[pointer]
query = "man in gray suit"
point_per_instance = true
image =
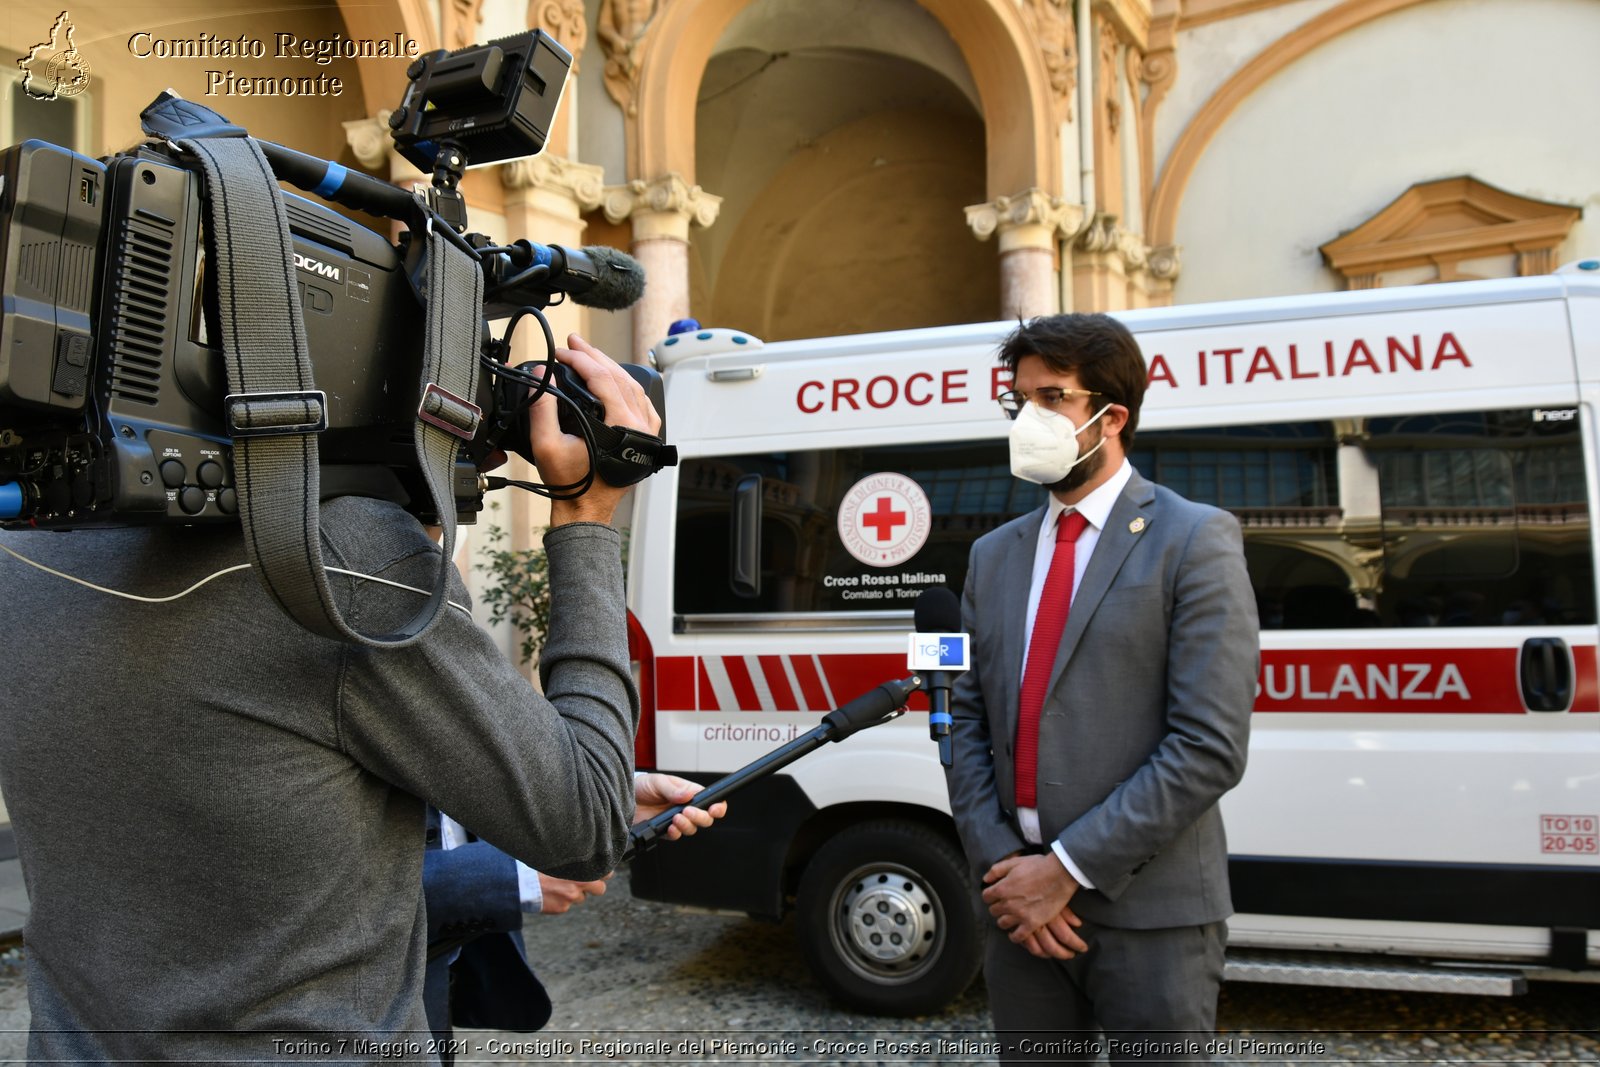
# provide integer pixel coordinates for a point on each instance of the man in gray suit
(1107, 710)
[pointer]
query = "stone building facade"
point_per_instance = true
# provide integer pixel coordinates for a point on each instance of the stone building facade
(806, 167)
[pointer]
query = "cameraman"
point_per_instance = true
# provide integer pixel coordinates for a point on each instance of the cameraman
(220, 815)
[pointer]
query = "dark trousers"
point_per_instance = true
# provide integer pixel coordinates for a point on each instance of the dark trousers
(1141, 996)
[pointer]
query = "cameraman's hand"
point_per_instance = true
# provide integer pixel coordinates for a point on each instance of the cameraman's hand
(558, 895)
(563, 458)
(655, 793)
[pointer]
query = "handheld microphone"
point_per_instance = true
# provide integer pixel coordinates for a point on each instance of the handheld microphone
(869, 709)
(937, 650)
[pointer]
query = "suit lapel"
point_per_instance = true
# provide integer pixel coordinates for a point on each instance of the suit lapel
(1017, 573)
(1116, 541)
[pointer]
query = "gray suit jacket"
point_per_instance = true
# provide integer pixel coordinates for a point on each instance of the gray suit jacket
(1147, 718)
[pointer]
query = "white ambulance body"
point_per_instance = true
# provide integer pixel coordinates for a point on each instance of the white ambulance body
(1414, 471)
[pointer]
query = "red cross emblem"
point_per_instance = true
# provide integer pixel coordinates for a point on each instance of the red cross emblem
(884, 519)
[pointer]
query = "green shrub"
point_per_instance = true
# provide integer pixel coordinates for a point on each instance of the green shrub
(517, 590)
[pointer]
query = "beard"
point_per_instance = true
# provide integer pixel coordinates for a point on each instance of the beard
(1084, 472)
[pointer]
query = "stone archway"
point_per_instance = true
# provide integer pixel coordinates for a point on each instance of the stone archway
(383, 80)
(658, 51)
(1167, 199)
(1013, 86)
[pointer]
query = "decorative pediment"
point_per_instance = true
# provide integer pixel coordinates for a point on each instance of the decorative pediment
(1443, 224)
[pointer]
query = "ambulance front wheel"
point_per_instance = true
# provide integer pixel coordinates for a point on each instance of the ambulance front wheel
(886, 920)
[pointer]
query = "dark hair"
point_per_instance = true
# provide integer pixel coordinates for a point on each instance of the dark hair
(1097, 348)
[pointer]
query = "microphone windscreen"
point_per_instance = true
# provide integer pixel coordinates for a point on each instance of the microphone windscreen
(618, 280)
(937, 611)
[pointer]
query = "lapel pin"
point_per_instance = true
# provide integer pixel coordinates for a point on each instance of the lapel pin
(1137, 525)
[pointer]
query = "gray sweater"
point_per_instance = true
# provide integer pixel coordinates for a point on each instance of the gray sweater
(220, 815)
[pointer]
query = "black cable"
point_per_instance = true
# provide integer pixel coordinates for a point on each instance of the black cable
(537, 388)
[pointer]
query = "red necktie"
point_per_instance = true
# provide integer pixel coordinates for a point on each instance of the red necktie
(1048, 623)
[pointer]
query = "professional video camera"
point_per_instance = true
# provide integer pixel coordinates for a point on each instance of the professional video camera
(116, 406)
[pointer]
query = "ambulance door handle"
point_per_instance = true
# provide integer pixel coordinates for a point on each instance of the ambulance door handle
(1546, 670)
(744, 536)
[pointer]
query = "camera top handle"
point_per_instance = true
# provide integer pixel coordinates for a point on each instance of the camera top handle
(173, 118)
(330, 181)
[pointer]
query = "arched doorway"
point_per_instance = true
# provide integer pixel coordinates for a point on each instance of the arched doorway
(844, 173)
(982, 78)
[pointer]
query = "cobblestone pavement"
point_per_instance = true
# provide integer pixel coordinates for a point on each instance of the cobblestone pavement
(642, 983)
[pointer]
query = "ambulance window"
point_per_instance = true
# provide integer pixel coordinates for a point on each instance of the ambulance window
(804, 564)
(1485, 519)
(1465, 519)
(1281, 481)
(1244, 468)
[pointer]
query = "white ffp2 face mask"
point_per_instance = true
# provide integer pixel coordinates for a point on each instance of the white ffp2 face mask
(1044, 447)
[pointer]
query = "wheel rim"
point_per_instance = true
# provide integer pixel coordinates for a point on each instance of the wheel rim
(886, 924)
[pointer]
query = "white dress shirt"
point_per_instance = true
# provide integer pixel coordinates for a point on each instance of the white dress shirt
(1096, 509)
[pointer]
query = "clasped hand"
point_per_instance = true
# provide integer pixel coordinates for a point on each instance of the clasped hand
(1029, 898)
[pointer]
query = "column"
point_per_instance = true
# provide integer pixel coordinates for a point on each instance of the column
(1030, 225)
(661, 210)
(546, 197)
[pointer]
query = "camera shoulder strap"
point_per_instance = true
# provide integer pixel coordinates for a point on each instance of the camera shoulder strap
(274, 410)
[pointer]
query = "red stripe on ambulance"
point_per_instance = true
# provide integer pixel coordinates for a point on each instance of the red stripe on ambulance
(1347, 681)
(805, 672)
(675, 677)
(1370, 680)
(1412, 680)
(707, 698)
(1587, 695)
(778, 681)
(744, 691)
(851, 676)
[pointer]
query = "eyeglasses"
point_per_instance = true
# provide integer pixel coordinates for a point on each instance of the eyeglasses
(1049, 397)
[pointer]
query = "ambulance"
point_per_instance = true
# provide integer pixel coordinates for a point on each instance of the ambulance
(1414, 471)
